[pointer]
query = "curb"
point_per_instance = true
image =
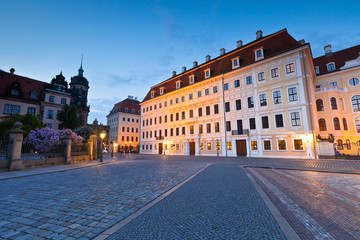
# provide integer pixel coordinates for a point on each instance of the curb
(324, 170)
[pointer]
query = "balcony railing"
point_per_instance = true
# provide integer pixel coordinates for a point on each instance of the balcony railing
(240, 132)
(160, 138)
(331, 89)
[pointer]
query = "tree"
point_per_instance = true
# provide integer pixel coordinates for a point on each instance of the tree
(68, 117)
(84, 131)
(29, 122)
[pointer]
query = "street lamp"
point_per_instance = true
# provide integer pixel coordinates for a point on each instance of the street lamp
(217, 147)
(102, 136)
(112, 149)
(130, 147)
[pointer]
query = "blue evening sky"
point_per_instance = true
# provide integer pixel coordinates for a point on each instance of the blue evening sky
(130, 45)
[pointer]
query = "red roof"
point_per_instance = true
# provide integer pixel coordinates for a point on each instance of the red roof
(127, 103)
(272, 44)
(339, 58)
(27, 84)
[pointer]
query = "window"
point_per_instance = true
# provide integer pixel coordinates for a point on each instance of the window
(265, 122)
(14, 92)
(237, 83)
(162, 90)
(171, 117)
(48, 125)
(200, 128)
(261, 76)
(191, 113)
(215, 89)
(354, 82)
(177, 116)
(177, 131)
(123, 129)
(263, 100)
(228, 126)
(317, 71)
(176, 100)
(160, 105)
(207, 110)
(339, 144)
(160, 120)
(52, 99)
(356, 103)
(252, 123)
(277, 97)
(165, 104)
(322, 124)
(178, 84)
(177, 146)
(267, 145)
(63, 100)
(333, 84)
(183, 98)
(357, 124)
(165, 132)
(182, 115)
(348, 144)
(191, 79)
(191, 96)
(133, 110)
(238, 104)
(229, 145)
(330, 67)
(217, 145)
(279, 120)
(152, 94)
(248, 79)
(123, 138)
(207, 92)
(295, 119)
(165, 120)
(199, 93)
(259, 54)
(333, 103)
(171, 102)
(191, 129)
(235, 63)
(50, 114)
(126, 110)
(183, 131)
(31, 111)
(336, 123)
(11, 109)
(217, 127)
(292, 94)
(226, 86)
(282, 145)
(345, 124)
(216, 109)
(208, 128)
(171, 132)
(290, 68)
(298, 144)
(201, 146)
(209, 146)
(250, 102)
(319, 105)
(200, 112)
(275, 72)
(253, 145)
(207, 73)
(227, 107)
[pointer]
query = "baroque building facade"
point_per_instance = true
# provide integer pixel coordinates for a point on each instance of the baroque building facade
(252, 101)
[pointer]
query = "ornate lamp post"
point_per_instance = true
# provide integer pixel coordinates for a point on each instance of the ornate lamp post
(102, 136)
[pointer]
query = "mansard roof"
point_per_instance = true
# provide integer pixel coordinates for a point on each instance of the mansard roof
(339, 58)
(127, 103)
(272, 44)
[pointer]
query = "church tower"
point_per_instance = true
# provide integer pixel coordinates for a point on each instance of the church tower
(79, 87)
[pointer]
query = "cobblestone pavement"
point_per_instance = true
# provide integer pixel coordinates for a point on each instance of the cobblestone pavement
(219, 203)
(82, 203)
(317, 205)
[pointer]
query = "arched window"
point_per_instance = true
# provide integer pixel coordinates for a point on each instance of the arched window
(339, 144)
(333, 103)
(357, 124)
(322, 124)
(354, 82)
(341, 104)
(348, 144)
(336, 123)
(356, 103)
(345, 124)
(319, 105)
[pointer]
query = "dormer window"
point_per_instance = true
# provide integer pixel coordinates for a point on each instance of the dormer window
(235, 62)
(126, 110)
(132, 110)
(191, 79)
(259, 54)
(162, 90)
(330, 67)
(33, 94)
(178, 84)
(14, 92)
(153, 94)
(317, 71)
(207, 73)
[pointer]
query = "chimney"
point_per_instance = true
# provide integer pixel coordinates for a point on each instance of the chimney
(207, 58)
(195, 64)
(239, 43)
(184, 69)
(130, 97)
(12, 70)
(135, 98)
(302, 41)
(222, 51)
(328, 51)
(173, 73)
(259, 34)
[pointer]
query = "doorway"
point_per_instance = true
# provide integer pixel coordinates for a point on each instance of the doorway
(241, 147)
(160, 148)
(192, 148)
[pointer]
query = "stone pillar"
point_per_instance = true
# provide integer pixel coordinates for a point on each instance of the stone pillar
(94, 146)
(90, 148)
(197, 148)
(16, 139)
(67, 149)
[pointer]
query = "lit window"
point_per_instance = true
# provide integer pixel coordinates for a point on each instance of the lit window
(322, 124)
(208, 128)
(354, 82)
(281, 145)
(348, 144)
(209, 146)
(217, 145)
(201, 146)
(253, 145)
(229, 145)
(298, 144)
(340, 145)
(217, 127)
(267, 145)
(290, 68)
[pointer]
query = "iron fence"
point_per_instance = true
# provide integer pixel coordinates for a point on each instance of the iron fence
(79, 149)
(4, 147)
(28, 151)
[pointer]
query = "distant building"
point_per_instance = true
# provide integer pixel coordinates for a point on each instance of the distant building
(21, 95)
(124, 124)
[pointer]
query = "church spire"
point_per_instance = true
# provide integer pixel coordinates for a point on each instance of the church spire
(81, 71)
